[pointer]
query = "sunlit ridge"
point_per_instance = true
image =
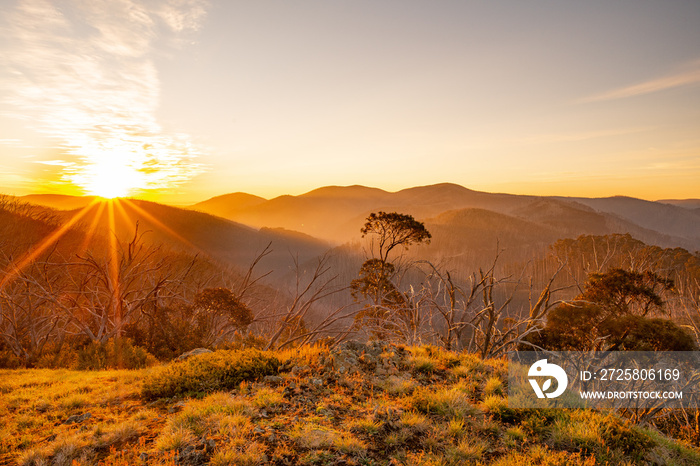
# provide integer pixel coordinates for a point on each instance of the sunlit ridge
(18, 266)
(42, 246)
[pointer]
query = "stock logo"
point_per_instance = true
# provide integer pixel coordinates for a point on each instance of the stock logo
(542, 369)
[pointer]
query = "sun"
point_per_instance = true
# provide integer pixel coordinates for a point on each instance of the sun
(110, 177)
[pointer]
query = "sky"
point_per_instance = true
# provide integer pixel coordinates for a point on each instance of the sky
(182, 100)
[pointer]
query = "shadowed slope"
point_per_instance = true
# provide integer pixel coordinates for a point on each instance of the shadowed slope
(221, 239)
(58, 201)
(664, 218)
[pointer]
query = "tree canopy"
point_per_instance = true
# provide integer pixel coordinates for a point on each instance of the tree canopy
(394, 229)
(613, 314)
(221, 302)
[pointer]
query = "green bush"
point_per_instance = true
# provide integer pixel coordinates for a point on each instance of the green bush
(8, 360)
(209, 372)
(115, 354)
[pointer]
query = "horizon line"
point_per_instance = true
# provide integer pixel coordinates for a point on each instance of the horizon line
(192, 203)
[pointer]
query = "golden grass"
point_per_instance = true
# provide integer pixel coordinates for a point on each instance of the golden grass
(454, 414)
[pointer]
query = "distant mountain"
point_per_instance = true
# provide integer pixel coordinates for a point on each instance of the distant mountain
(669, 220)
(228, 204)
(235, 225)
(337, 213)
(692, 204)
(182, 229)
(201, 233)
(19, 233)
(58, 201)
(355, 192)
(471, 236)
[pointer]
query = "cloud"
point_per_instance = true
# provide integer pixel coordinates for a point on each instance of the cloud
(10, 142)
(84, 74)
(690, 75)
(60, 163)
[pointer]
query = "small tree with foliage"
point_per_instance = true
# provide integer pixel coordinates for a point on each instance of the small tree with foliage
(388, 311)
(613, 314)
(219, 314)
(392, 230)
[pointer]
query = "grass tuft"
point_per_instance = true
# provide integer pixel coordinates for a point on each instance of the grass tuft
(175, 439)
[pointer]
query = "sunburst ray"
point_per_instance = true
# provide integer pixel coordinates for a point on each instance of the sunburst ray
(43, 245)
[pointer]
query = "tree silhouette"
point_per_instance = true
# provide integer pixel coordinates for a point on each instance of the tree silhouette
(375, 283)
(394, 229)
(221, 302)
(621, 292)
(612, 314)
(387, 311)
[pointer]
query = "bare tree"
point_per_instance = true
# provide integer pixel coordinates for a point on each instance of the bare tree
(27, 318)
(102, 295)
(470, 317)
(290, 326)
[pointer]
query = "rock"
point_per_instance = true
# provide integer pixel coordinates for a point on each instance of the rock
(297, 370)
(143, 457)
(77, 418)
(176, 407)
(193, 352)
(353, 346)
(273, 379)
(368, 360)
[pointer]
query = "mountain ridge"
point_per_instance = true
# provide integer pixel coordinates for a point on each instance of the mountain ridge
(336, 213)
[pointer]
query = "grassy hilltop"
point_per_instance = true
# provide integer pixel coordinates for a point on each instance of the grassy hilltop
(357, 404)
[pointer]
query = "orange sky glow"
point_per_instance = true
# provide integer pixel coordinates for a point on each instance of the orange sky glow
(179, 101)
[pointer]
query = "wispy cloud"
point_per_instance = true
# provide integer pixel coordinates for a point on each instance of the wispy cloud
(58, 163)
(689, 75)
(84, 73)
(10, 142)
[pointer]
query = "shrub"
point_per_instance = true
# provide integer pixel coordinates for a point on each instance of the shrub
(493, 386)
(397, 386)
(606, 437)
(541, 456)
(445, 402)
(118, 353)
(497, 407)
(365, 426)
(267, 398)
(208, 372)
(251, 454)
(8, 360)
(175, 439)
(467, 450)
